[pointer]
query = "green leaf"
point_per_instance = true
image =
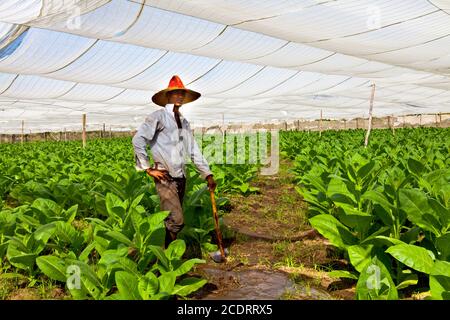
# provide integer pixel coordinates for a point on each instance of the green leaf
(365, 170)
(71, 213)
(383, 240)
(342, 274)
(119, 237)
(127, 284)
(187, 266)
(416, 167)
(157, 219)
(360, 256)
(415, 204)
(333, 230)
(167, 283)
(442, 212)
(440, 280)
(407, 279)
(44, 232)
(148, 286)
(176, 249)
(354, 218)
(47, 207)
(375, 283)
(19, 256)
(415, 257)
(188, 285)
(159, 253)
(115, 205)
(53, 267)
(90, 283)
(378, 198)
(443, 246)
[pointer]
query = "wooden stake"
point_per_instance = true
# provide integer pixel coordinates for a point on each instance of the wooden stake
(404, 122)
(320, 124)
(420, 120)
(23, 134)
(369, 127)
(65, 134)
(84, 131)
(440, 119)
(393, 126)
(110, 132)
(104, 131)
(345, 124)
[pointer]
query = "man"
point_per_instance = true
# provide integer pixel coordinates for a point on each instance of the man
(171, 141)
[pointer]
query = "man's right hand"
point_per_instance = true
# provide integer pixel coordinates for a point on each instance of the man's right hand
(158, 174)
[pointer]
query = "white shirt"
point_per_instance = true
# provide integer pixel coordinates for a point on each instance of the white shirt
(170, 147)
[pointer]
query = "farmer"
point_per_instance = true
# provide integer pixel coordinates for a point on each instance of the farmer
(171, 142)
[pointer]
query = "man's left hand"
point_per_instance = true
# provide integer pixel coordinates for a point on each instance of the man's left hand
(211, 183)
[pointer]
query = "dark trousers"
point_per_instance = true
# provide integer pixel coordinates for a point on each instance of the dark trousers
(171, 194)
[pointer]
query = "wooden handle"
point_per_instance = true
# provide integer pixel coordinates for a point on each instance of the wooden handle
(216, 222)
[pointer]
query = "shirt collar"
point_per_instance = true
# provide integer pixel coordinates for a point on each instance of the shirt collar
(169, 109)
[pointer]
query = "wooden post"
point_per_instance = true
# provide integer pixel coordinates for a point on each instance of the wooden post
(110, 132)
(393, 126)
(345, 124)
(84, 131)
(420, 120)
(65, 134)
(357, 123)
(320, 124)
(440, 120)
(22, 137)
(369, 126)
(404, 121)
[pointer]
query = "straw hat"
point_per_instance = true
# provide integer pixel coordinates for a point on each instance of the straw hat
(160, 98)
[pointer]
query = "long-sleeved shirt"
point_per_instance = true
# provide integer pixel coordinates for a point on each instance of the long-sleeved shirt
(170, 147)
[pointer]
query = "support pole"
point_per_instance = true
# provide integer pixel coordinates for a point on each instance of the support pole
(84, 131)
(393, 126)
(404, 121)
(345, 124)
(65, 134)
(22, 138)
(440, 120)
(420, 120)
(110, 132)
(320, 124)
(369, 126)
(104, 131)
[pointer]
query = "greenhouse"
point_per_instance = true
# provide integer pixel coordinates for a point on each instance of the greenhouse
(224, 150)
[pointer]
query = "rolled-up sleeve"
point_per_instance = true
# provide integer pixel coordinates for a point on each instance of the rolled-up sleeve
(141, 139)
(197, 157)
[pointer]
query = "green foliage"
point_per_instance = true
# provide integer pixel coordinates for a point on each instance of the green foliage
(389, 201)
(68, 212)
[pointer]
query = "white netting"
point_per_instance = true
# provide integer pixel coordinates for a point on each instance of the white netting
(252, 61)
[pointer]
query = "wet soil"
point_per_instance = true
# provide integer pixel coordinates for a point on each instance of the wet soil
(274, 252)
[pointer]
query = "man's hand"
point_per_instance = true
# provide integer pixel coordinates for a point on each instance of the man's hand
(211, 183)
(157, 174)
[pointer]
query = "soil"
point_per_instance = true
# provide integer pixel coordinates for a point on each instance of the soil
(273, 251)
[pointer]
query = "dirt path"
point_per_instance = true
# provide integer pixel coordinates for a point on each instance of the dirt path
(269, 237)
